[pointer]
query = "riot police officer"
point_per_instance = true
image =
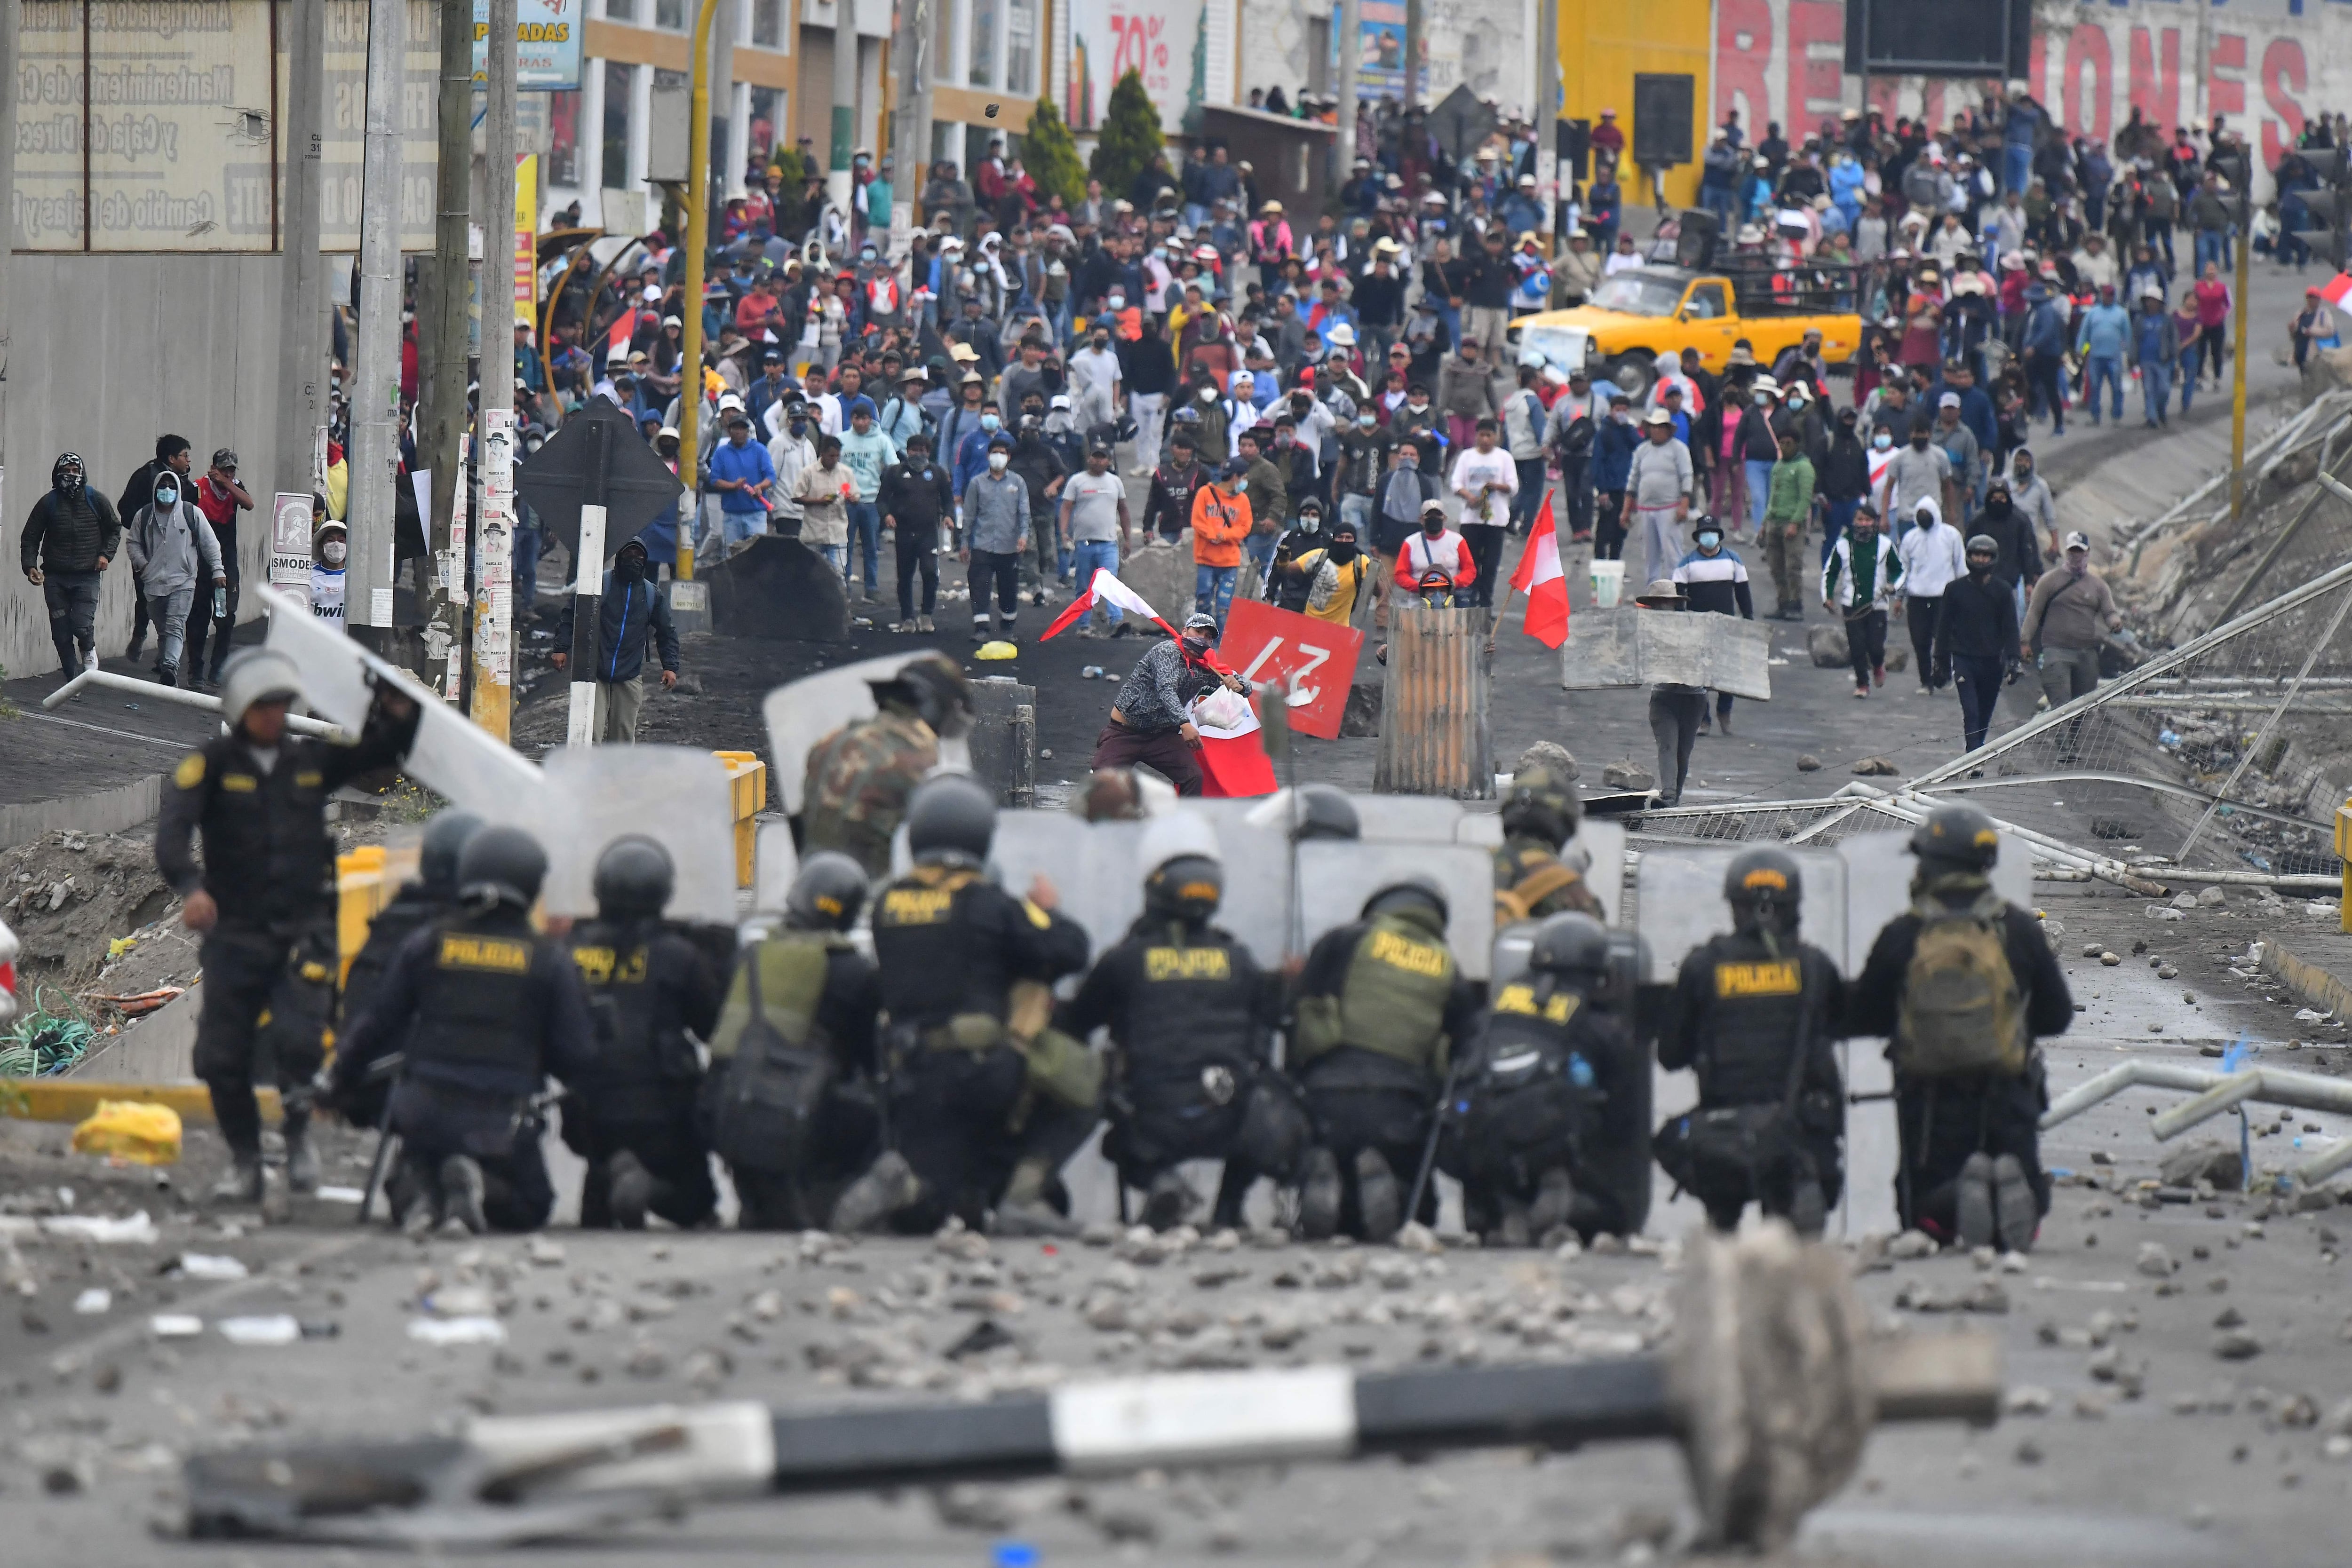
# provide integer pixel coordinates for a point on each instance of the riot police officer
(485, 1009)
(652, 996)
(1964, 985)
(1189, 1015)
(430, 895)
(987, 1098)
(1379, 1003)
(860, 776)
(1534, 1085)
(793, 1090)
(263, 899)
(1531, 881)
(1755, 1013)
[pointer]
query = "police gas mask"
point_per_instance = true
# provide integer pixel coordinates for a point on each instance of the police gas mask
(1188, 888)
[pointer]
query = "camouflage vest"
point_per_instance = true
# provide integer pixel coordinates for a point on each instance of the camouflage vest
(859, 781)
(1530, 883)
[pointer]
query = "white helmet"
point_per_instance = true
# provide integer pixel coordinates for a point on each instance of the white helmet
(255, 675)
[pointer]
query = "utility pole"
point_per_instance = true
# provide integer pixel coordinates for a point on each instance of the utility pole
(588, 573)
(911, 146)
(840, 185)
(9, 19)
(698, 248)
(375, 392)
(440, 592)
(302, 351)
(493, 687)
(1546, 121)
(2237, 168)
(1351, 13)
(1413, 28)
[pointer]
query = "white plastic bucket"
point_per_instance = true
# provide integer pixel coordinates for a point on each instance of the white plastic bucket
(1607, 583)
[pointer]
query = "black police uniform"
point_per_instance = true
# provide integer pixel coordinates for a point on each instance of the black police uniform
(1734, 1018)
(416, 906)
(649, 988)
(1543, 1070)
(1191, 1013)
(269, 866)
(486, 1009)
(1943, 1121)
(796, 1125)
(952, 947)
(1378, 1003)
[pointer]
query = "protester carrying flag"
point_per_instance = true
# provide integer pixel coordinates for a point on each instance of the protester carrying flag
(1538, 576)
(1151, 721)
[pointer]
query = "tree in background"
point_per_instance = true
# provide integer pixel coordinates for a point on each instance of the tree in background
(1130, 136)
(1051, 155)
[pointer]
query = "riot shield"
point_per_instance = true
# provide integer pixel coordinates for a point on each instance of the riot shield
(678, 797)
(451, 754)
(1679, 894)
(804, 713)
(1629, 647)
(1336, 879)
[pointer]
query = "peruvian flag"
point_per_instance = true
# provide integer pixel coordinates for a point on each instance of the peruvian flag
(1538, 577)
(1233, 757)
(2337, 290)
(1107, 588)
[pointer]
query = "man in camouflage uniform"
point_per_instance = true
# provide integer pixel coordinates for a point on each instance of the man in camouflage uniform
(860, 776)
(1539, 816)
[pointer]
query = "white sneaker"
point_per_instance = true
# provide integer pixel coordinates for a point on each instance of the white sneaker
(89, 660)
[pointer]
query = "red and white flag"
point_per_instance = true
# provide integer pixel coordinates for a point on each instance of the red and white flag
(2337, 290)
(1538, 577)
(1107, 589)
(1233, 756)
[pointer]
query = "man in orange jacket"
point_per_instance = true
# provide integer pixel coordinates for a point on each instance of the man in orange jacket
(1435, 556)
(1221, 521)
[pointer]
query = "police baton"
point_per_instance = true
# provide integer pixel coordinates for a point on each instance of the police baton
(382, 1067)
(1429, 1149)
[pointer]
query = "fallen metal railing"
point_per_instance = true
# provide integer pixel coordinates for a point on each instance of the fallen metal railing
(155, 691)
(2215, 1094)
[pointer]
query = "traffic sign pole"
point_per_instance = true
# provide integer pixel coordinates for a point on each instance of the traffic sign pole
(587, 611)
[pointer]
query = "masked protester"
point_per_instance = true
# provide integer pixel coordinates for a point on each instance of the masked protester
(1964, 985)
(1537, 1081)
(1861, 581)
(1714, 581)
(175, 558)
(1976, 638)
(1328, 581)
(794, 1096)
(862, 775)
(1189, 1015)
(71, 534)
(1437, 563)
(1150, 719)
(987, 1098)
(2066, 621)
(633, 616)
(329, 571)
(484, 1009)
(1675, 709)
(1754, 1014)
(263, 900)
(654, 994)
(1376, 1011)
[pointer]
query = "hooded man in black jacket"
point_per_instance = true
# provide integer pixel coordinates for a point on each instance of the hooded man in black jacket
(633, 613)
(1842, 478)
(70, 536)
(1976, 638)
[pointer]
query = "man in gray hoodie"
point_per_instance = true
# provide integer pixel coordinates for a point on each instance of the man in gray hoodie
(173, 550)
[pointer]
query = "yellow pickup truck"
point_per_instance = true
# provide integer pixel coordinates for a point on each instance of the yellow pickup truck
(1644, 311)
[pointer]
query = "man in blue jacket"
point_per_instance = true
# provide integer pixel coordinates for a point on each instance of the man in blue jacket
(1612, 465)
(2045, 355)
(632, 612)
(2104, 336)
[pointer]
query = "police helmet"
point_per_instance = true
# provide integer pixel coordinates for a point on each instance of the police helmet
(1325, 812)
(1764, 879)
(1188, 887)
(1542, 804)
(932, 685)
(445, 840)
(950, 816)
(827, 894)
(1414, 891)
(1569, 944)
(257, 675)
(633, 879)
(1957, 836)
(501, 865)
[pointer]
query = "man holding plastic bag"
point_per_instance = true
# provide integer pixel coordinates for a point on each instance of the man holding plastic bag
(1152, 720)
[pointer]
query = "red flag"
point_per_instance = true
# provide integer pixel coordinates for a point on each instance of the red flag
(1232, 754)
(2337, 290)
(1538, 577)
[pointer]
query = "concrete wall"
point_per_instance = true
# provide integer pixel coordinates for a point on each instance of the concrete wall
(106, 353)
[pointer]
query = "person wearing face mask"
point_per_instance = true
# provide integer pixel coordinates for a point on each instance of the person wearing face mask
(1919, 471)
(1336, 576)
(1714, 582)
(1221, 522)
(1860, 581)
(996, 527)
(1436, 563)
(70, 536)
(1613, 445)
(1095, 390)
(2019, 566)
(1356, 469)
(1675, 709)
(1149, 720)
(792, 453)
(1658, 491)
(971, 427)
(1405, 489)
(329, 550)
(1932, 557)
(917, 505)
(2030, 493)
(633, 616)
(1977, 638)
(1148, 371)
(2066, 621)
(175, 555)
(1845, 480)
(1168, 506)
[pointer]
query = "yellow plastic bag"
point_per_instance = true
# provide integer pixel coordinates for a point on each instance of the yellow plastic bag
(133, 1130)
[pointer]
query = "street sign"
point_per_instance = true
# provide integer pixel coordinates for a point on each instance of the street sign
(548, 35)
(1317, 657)
(1461, 122)
(290, 543)
(597, 457)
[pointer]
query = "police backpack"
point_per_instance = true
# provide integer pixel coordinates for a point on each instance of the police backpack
(1961, 1009)
(770, 1090)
